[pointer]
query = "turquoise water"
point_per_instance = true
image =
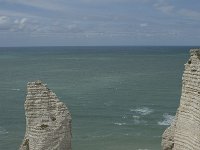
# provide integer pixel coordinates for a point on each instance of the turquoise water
(120, 98)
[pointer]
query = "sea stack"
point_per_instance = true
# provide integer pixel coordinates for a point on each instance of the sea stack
(184, 132)
(48, 121)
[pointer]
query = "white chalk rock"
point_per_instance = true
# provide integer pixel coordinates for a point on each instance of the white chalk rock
(48, 121)
(184, 133)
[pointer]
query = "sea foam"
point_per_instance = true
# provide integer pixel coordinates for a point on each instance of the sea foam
(15, 89)
(142, 110)
(3, 131)
(120, 123)
(167, 120)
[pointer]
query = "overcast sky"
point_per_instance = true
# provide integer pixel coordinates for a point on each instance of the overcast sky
(99, 22)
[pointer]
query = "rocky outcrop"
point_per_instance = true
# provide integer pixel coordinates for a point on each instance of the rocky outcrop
(184, 132)
(48, 121)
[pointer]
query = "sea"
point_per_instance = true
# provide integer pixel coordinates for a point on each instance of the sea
(120, 97)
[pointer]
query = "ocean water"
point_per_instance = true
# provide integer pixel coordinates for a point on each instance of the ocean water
(120, 98)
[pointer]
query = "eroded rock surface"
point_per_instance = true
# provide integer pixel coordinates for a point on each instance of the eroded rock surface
(184, 132)
(48, 121)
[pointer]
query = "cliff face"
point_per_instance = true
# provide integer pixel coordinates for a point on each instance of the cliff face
(184, 132)
(48, 121)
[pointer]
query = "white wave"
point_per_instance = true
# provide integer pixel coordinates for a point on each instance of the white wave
(167, 120)
(142, 110)
(136, 117)
(143, 149)
(124, 117)
(15, 89)
(3, 131)
(120, 123)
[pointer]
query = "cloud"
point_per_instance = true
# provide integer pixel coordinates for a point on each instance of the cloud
(10, 24)
(5, 23)
(52, 5)
(190, 14)
(143, 25)
(21, 23)
(113, 1)
(40, 26)
(150, 19)
(164, 7)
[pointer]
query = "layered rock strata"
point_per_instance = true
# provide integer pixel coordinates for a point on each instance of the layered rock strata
(48, 121)
(184, 132)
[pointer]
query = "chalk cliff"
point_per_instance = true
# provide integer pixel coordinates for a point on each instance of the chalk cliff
(184, 132)
(48, 121)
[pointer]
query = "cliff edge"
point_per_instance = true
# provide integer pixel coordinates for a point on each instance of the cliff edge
(184, 132)
(48, 121)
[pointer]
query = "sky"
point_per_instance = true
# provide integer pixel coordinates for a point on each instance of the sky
(99, 22)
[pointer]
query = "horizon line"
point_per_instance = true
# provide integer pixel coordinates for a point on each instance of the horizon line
(100, 46)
